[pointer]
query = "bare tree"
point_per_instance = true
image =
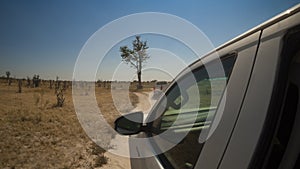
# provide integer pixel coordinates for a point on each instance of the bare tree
(36, 81)
(50, 81)
(28, 82)
(136, 56)
(8, 77)
(20, 86)
(7, 74)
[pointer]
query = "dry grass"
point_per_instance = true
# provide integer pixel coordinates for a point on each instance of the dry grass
(36, 134)
(147, 87)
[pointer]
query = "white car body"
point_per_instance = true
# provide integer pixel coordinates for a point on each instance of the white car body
(260, 124)
(159, 88)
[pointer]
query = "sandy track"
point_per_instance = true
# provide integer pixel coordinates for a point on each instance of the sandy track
(120, 162)
(145, 102)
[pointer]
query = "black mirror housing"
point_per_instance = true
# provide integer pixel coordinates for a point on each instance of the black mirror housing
(129, 124)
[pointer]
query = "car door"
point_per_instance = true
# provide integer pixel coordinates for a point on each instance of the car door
(254, 135)
(206, 127)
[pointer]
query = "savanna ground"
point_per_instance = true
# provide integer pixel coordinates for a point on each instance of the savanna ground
(35, 133)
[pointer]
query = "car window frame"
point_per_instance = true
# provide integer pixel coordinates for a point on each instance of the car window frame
(199, 65)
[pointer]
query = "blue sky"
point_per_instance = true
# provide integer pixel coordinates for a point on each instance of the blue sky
(45, 36)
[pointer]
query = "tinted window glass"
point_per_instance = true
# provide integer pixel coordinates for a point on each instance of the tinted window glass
(189, 108)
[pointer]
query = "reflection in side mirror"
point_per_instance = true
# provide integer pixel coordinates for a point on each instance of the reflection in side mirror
(129, 124)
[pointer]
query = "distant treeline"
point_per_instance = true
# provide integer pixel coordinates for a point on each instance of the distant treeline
(37, 81)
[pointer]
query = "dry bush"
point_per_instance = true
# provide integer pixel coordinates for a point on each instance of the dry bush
(60, 99)
(33, 134)
(100, 159)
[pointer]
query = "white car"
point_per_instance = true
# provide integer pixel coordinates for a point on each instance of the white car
(159, 88)
(251, 122)
(160, 85)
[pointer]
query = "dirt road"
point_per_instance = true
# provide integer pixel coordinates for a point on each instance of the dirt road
(120, 143)
(145, 102)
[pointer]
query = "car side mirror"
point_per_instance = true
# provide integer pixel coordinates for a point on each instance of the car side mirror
(130, 124)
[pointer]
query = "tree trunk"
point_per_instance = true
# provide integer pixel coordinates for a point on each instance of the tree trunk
(50, 84)
(20, 85)
(139, 72)
(139, 80)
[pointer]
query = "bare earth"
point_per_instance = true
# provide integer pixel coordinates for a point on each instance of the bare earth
(34, 133)
(120, 162)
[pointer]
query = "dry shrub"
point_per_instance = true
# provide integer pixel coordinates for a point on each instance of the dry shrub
(33, 135)
(100, 161)
(99, 153)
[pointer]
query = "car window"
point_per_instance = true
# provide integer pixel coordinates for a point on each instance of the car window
(189, 107)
